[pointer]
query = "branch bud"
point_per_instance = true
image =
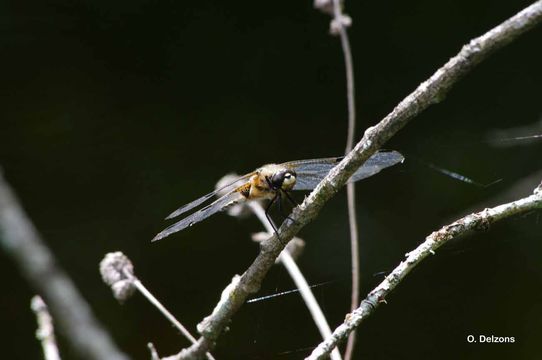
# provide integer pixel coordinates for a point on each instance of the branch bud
(118, 272)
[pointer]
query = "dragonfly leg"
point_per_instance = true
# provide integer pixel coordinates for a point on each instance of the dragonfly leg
(292, 201)
(290, 198)
(269, 217)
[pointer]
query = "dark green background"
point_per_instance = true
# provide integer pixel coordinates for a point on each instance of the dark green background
(114, 113)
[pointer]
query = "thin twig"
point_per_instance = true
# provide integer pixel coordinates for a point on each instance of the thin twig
(479, 221)
(46, 330)
(157, 304)
(428, 93)
(20, 240)
(350, 187)
(146, 293)
(154, 353)
(354, 249)
(117, 271)
(297, 276)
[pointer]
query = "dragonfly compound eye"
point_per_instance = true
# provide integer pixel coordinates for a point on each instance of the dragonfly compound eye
(283, 179)
(288, 180)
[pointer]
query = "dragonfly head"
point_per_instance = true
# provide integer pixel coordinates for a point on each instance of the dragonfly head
(284, 179)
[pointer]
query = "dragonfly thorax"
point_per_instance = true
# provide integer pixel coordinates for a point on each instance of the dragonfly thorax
(276, 177)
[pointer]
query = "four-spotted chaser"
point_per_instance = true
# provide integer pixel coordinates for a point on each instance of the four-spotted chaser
(271, 182)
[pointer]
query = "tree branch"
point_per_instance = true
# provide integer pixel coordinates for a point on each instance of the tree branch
(479, 221)
(21, 241)
(429, 92)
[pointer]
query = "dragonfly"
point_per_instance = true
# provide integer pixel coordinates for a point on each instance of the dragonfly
(272, 182)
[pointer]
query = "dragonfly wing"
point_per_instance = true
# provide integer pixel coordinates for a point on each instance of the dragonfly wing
(379, 161)
(308, 181)
(311, 172)
(204, 198)
(232, 198)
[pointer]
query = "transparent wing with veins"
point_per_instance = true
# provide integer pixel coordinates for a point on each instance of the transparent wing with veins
(231, 198)
(311, 172)
(204, 198)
